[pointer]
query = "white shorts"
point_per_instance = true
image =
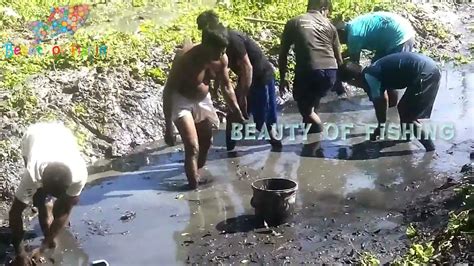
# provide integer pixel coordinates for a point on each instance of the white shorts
(199, 110)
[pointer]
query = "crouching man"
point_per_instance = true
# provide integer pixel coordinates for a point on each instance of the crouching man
(418, 73)
(54, 169)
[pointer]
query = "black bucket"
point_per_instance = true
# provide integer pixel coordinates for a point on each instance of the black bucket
(274, 200)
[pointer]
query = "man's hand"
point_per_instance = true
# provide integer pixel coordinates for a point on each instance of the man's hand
(170, 139)
(22, 259)
(243, 106)
(237, 116)
(37, 256)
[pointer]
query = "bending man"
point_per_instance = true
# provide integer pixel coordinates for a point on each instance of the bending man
(54, 168)
(418, 73)
(381, 32)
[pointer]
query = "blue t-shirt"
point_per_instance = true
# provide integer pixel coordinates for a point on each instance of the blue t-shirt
(377, 31)
(397, 71)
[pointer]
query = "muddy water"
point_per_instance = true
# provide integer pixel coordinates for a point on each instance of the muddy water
(349, 186)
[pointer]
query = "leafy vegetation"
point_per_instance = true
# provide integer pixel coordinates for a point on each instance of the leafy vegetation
(368, 259)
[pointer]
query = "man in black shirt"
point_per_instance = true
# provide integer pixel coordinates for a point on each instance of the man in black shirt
(318, 56)
(256, 86)
(418, 73)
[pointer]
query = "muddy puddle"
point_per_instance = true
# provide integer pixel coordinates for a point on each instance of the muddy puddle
(351, 193)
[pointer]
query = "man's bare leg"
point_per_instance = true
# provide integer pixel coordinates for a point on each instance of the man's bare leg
(45, 211)
(407, 119)
(204, 132)
(313, 119)
(188, 133)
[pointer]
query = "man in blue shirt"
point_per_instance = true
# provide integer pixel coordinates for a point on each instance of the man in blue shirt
(418, 73)
(381, 32)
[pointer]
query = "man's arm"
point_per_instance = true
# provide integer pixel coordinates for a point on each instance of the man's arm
(381, 105)
(245, 75)
(245, 81)
(336, 45)
(61, 211)
(353, 49)
(227, 89)
(16, 225)
(285, 46)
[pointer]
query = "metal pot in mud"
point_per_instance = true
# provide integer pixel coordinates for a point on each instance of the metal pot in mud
(273, 200)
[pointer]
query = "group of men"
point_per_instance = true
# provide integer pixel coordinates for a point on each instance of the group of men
(54, 166)
(319, 69)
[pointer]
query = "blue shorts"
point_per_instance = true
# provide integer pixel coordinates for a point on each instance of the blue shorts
(262, 104)
(310, 86)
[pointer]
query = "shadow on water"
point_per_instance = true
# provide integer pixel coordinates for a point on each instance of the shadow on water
(366, 150)
(242, 224)
(336, 105)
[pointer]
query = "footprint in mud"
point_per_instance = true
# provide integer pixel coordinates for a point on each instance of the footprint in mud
(97, 228)
(128, 216)
(183, 186)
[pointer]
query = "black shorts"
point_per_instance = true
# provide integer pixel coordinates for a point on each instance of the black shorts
(310, 86)
(419, 98)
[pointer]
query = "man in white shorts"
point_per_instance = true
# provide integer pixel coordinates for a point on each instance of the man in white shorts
(187, 101)
(54, 168)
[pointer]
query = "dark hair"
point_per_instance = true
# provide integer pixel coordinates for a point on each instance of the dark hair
(215, 36)
(349, 71)
(320, 5)
(57, 175)
(207, 18)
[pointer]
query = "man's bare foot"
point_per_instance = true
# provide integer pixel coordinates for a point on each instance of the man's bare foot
(200, 181)
(203, 181)
(193, 184)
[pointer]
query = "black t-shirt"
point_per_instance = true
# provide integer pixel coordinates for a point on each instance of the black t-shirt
(239, 46)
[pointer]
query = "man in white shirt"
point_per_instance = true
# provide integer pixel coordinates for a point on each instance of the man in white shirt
(54, 167)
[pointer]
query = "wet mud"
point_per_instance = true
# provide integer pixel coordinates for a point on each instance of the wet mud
(352, 194)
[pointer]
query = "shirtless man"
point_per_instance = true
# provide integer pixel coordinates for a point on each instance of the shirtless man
(187, 102)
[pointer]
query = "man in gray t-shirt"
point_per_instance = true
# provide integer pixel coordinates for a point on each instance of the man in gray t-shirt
(317, 50)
